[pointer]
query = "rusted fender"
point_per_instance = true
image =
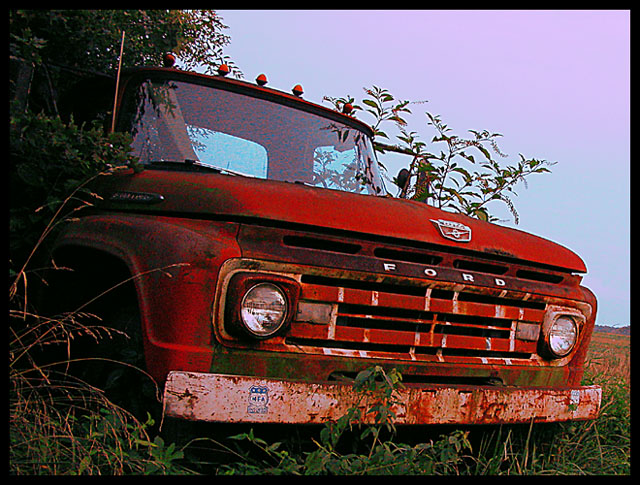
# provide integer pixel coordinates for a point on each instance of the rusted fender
(240, 399)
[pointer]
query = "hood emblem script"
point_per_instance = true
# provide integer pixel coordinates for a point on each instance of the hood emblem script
(453, 230)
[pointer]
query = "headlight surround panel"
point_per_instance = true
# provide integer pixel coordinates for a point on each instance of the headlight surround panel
(260, 306)
(561, 331)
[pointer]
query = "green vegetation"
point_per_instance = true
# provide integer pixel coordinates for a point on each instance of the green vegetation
(463, 177)
(52, 50)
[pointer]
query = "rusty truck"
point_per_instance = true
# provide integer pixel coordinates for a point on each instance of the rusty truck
(268, 265)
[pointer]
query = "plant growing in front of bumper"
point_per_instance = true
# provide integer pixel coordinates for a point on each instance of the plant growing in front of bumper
(376, 389)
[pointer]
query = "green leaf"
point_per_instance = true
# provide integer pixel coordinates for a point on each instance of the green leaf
(372, 104)
(481, 214)
(484, 151)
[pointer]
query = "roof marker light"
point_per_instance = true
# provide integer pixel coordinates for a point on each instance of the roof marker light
(297, 90)
(168, 59)
(223, 69)
(261, 80)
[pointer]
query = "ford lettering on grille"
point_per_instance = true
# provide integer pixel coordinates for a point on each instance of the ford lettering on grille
(432, 273)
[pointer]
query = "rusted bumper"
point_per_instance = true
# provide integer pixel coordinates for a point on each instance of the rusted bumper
(227, 398)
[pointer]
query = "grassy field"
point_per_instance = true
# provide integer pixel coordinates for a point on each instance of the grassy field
(610, 354)
(72, 430)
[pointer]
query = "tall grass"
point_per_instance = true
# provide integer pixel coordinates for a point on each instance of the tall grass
(598, 447)
(59, 424)
(609, 356)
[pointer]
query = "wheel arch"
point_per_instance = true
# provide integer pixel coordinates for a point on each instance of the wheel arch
(170, 266)
(100, 276)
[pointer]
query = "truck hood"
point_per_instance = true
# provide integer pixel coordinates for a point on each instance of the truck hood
(237, 197)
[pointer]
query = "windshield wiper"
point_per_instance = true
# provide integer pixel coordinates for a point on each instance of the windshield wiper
(187, 165)
(190, 166)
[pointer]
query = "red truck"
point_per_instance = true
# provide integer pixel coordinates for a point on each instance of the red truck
(269, 265)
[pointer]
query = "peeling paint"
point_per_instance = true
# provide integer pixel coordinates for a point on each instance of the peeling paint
(229, 398)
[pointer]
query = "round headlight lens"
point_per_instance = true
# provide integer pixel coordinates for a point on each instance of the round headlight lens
(563, 335)
(263, 310)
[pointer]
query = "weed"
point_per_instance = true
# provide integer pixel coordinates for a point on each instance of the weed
(378, 456)
(595, 447)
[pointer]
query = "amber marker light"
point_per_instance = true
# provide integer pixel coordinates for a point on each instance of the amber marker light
(169, 59)
(261, 80)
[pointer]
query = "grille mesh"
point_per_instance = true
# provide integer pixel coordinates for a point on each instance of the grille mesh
(402, 321)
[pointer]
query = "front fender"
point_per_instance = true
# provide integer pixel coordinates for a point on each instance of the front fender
(174, 263)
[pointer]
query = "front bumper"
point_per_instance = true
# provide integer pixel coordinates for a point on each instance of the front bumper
(241, 399)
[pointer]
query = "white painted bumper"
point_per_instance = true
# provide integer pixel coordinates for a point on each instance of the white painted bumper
(228, 398)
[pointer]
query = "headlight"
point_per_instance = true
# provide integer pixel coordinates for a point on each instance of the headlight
(563, 335)
(263, 310)
(259, 305)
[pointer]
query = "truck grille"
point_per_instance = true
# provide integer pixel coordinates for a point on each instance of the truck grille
(407, 322)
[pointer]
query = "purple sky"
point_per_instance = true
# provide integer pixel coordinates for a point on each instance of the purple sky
(556, 84)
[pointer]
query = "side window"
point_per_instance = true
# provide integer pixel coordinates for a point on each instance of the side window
(228, 152)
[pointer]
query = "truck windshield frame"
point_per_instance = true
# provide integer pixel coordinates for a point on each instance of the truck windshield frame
(181, 121)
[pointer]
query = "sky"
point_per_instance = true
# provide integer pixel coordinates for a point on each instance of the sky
(555, 84)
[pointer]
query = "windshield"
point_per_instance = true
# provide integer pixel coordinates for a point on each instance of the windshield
(199, 125)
